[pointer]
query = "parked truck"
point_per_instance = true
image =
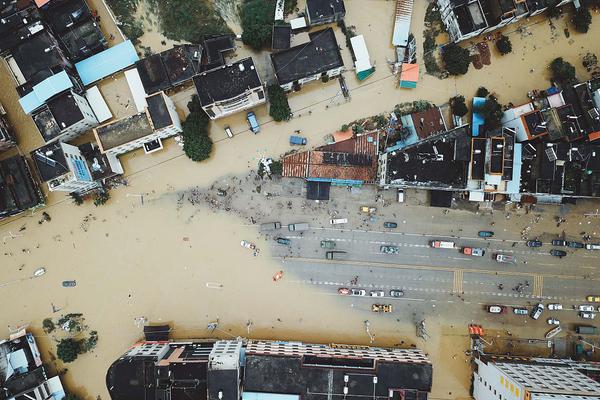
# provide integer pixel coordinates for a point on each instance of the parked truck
(270, 226)
(297, 140)
(336, 255)
(297, 227)
(586, 330)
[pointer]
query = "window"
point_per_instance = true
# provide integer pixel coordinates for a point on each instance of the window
(261, 95)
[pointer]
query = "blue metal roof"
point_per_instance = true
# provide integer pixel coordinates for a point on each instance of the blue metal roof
(107, 62)
(44, 90)
(478, 119)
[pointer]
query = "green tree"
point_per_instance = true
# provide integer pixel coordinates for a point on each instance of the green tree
(67, 350)
(492, 112)
(482, 92)
(279, 108)
(562, 71)
(504, 45)
(257, 22)
(197, 145)
(276, 168)
(458, 105)
(101, 197)
(48, 325)
(582, 19)
(456, 59)
(190, 20)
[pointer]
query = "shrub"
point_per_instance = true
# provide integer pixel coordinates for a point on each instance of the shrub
(48, 325)
(257, 22)
(458, 105)
(582, 19)
(101, 197)
(190, 20)
(67, 350)
(276, 168)
(504, 45)
(482, 92)
(562, 71)
(279, 108)
(197, 145)
(77, 199)
(456, 59)
(492, 112)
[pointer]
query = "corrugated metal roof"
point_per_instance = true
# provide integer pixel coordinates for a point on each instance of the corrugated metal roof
(107, 62)
(402, 25)
(296, 165)
(44, 90)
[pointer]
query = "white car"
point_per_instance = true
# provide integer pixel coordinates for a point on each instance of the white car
(555, 306)
(553, 321)
(358, 292)
(377, 293)
(586, 307)
(587, 315)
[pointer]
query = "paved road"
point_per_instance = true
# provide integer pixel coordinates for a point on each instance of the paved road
(444, 278)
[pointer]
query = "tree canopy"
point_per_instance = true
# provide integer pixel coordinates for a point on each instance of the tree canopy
(582, 19)
(67, 350)
(562, 71)
(504, 45)
(279, 108)
(257, 22)
(456, 59)
(459, 108)
(197, 145)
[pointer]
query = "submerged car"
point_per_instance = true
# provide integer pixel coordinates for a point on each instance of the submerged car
(389, 249)
(327, 244)
(552, 321)
(485, 234)
(283, 241)
(520, 311)
(377, 293)
(559, 242)
(343, 291)
(587, 315)
(386, 308)
(575, 245)
(593, 298)
(586, 307)
(505, 258)
(390, 225)
(69, 283)
(396, 293)
(537, 311)
(534, 243)
(558, 253)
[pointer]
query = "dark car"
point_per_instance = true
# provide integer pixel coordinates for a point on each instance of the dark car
(283, 241)
(575, 245)
(534, 243)
(396, 293)
(485, 234)
(558, 253)
(559, 242)
(69, 283)
(390, 225)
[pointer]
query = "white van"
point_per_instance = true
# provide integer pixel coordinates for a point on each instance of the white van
(400, 195)
(593, 246)
(336, 221)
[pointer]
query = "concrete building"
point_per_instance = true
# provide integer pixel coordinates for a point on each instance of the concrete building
(501, 378)
(465, 19)
(253, 370)
(64, 117)
(319, 12)
(319, 58)
(230, 89)
(147, 129)
(18, 190)
(7, 137)
(68, 168)
(22, 375)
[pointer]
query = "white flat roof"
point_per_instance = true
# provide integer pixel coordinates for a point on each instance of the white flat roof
(99, 106)
(137, 89)
(298, 23)
(359, 47)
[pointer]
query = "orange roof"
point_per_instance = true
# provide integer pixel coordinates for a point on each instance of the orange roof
(40, 3)
(594, 136)
(342, 135)
(410, 72)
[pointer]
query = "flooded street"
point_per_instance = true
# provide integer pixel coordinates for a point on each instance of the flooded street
(148, 254)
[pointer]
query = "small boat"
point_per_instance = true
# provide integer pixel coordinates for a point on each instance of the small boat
(247, 245)
(553, 332)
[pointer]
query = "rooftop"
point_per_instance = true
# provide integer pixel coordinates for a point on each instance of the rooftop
(319, 55)
(214, 49)
(159, 113)
(19, 24)
(18, 191)
(50, 161)
(123, 131)
(58, 114)
(323, 9)
(470, 16)
(107, 62)
(282, 36)
(37, 57)
(227, 82)
(170, 68)
(440, 161)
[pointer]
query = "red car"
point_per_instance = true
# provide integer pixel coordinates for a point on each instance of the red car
(344, 291)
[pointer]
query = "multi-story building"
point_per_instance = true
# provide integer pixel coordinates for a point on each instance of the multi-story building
(465, 19)
(504, 378)
(230, 89)
(7, 137)
(18, 190)
(240, 370)
(68, 168)
(159, 121)
(22, 375)
(320, 12)
(320, 58)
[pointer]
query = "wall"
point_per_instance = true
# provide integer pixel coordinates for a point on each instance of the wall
(489, 383)
(249, 99)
